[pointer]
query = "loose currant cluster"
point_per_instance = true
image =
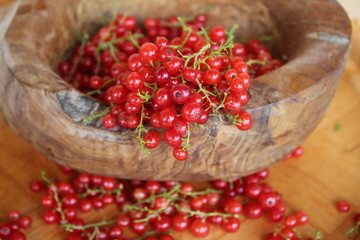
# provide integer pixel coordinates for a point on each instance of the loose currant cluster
(173, 74)
(12, 229)
(152, 210)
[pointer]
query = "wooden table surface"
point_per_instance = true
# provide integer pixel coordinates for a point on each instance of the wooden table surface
(329, 171)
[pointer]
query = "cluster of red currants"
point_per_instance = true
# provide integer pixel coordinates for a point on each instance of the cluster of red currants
(171, 74)
(12, 229)
(152, 209)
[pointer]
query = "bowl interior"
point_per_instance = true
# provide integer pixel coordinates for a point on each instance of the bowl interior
(252, 17)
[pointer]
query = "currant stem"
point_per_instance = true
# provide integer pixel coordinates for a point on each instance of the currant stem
(98, 190)
(187, 140)
(251, 61)
(91, 225)
(140, 130)
(319, 235)
(356, 229)
(103, 113)
(204, 214)
(84, 40)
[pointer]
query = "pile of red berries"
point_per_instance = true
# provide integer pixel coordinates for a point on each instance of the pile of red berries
(12, 229)
(172, 74)
(152, 209)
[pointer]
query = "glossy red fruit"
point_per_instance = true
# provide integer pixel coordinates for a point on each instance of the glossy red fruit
(232, 104)
(162, 97)
(233, 207)
(152, 139)
(180, 93)
(252, 210)
(180, 223)
(175, 65)
(123, 221)
(290, 221)
(36, 186)
(148, 53)
(139, 227)
(301, 218)
(231, 224)
(343, 206)
(25, 222)
(180, 126)
(212, 76)
(14, 215)
(50, 217)
(168, 117)
(172, 138)
(199, 228)
(162, 224)
(109, 121)
(267, 201)
(119, 94)
(244, 121)
(191, 112)
(276, 215)
(134, 81)
(180, 154)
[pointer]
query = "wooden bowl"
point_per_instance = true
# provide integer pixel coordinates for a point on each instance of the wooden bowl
(286, 104)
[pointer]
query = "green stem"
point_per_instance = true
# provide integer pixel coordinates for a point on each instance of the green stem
(140, 130)
(251, 61)
(103, 113)
(356, 229)
(91, 225)
(204, 214)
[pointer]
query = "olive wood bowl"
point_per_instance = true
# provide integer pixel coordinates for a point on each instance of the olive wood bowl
(286, 104)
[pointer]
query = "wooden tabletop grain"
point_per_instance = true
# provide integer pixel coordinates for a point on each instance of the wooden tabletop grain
(328, 172)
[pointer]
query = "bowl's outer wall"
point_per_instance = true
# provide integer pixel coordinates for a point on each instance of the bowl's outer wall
(286, 105)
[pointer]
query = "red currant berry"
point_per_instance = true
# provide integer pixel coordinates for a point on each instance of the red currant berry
(175, 65)
(50, 217)
(180, 93)
(212, 76)
(148, 53)
(152, 139)
(123, 221)
(85, 205)
(162, 224)
(191, 112)
(252, 210)
(232, 104)
(13, 215)
(231, 224)
(244, 121)
(167, 117)
(172, 138)
(199, 228)
(36, 186)
(233, 207)
(134, 81)
(109, 121)
(267, 200)
(301, 218)
(343, 206)
(180, 154)
(25, 222)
